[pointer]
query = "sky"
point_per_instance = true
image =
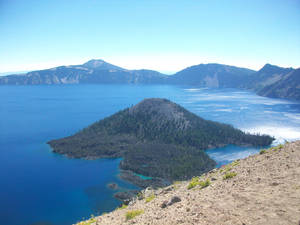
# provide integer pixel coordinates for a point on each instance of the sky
(164, 35)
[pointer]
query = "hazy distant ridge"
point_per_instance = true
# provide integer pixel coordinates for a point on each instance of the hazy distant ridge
(91, 72)
(270, 81)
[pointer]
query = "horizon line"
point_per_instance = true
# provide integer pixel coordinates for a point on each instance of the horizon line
(164, 71)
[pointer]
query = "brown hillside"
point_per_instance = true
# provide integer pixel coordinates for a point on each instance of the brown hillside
(265, 190)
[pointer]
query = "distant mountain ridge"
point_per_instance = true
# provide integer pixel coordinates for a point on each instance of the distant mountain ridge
(270, 81)
(267, 75)
(286, 87)
(91, 72)
(212, 75)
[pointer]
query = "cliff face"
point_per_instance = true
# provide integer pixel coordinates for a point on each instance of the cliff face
(261, 189)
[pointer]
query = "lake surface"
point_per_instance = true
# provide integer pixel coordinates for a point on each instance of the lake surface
(39, 186)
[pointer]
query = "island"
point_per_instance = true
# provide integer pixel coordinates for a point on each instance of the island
(156, 138)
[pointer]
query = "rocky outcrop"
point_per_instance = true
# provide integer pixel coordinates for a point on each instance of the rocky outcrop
(113, 186)
(154, 182)
(126, 196)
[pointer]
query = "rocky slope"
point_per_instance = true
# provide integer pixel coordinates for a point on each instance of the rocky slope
(261, 189)
(156, 138)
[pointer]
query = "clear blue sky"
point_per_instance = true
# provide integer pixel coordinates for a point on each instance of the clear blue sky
(165, 35)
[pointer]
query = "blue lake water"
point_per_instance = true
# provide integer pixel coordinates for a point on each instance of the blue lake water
(37, 185)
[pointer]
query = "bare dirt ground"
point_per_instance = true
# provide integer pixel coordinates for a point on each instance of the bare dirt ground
(265, 190)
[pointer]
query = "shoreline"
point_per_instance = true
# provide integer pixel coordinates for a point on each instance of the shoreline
(129, 176)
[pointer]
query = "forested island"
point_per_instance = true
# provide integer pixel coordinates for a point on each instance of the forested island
(156, 138)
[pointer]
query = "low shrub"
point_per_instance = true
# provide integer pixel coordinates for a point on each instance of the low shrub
(263, 151)
(205, 183)
(193, 183)
(229, 175)
(227, 168)
(123, 206)
(133, 213)
(235, 163)
(88, 222)
(150, 198)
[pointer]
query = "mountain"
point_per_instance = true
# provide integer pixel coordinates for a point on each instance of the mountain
(270, 81)
(99, 64)
(212, 75)
(286, 87)
(156, 138)
(260, 189)
(93, 71)
(267, 75)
